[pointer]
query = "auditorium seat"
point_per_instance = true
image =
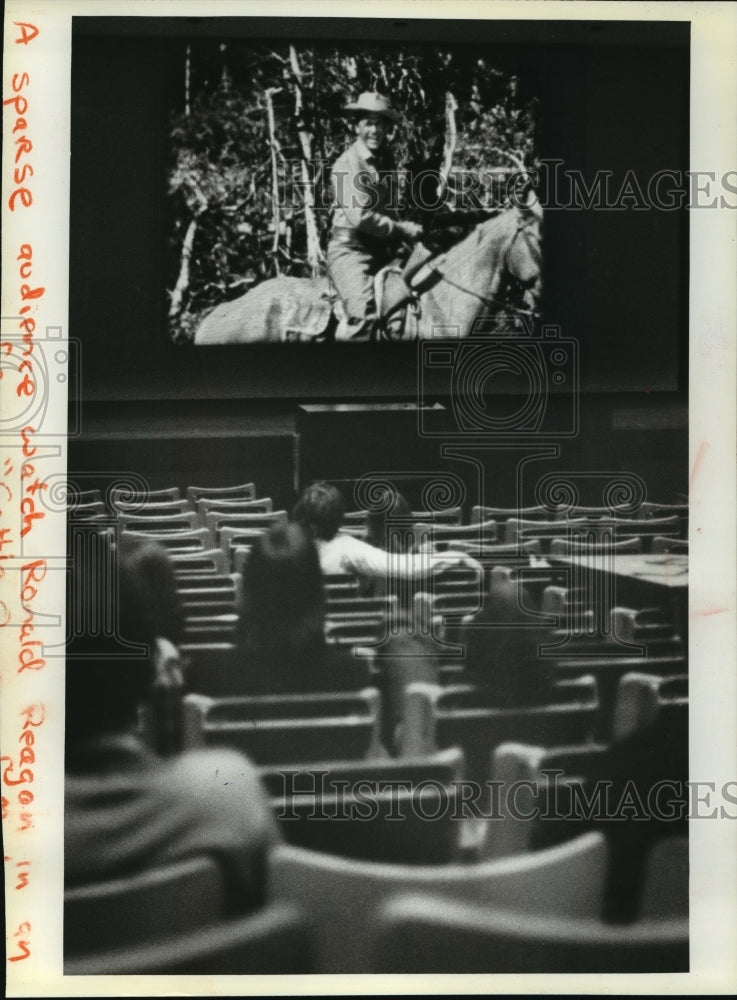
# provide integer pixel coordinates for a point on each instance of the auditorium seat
(641, 625)
(94, 510)
(340, 893)
(76, 497)
(503, 514)
(287, 728)
(209, 594)
(262, 505)
(666, 546)
(168, 521)
(129, 496)
(211, 668)
(233, 539)
(153, 508)
(206, 629)
(211, 561)
(216, 521)
(437, 717)
(427, 533)
(147, 906)
(583, 547)
(665, 882)
(549, 789)
(378, 809)
(542, 530)
(360, 630)
(642, 697)
(337, 584)
(423, 934)
(188, 540)
(610, 668)
(244, 491)
(276, 940)
(355, 606)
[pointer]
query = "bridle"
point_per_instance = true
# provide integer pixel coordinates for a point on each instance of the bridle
(489, 300)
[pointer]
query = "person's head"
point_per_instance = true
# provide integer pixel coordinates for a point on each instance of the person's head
(120, 597)
(373, 119)
(395, 513)
(320, 510)
(503, 651)
(282, 609)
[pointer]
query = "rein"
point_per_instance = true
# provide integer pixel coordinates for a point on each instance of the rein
(487, 299)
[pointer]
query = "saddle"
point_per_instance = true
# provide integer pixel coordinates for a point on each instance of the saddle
(395, 287)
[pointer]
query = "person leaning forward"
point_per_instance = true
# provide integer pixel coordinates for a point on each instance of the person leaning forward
(366, 232)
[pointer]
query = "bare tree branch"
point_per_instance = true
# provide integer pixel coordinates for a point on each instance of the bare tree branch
(275, 151)
(314, 252)
(451, 137)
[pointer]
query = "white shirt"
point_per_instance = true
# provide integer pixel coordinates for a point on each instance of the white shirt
(347, 554)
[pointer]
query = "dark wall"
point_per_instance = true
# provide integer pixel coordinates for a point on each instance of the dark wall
(614, 97)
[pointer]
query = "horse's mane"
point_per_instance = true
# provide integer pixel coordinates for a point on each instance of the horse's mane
(482, 232)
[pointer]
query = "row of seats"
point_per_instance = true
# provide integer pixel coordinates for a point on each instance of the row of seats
(533, 914)
(404, 892)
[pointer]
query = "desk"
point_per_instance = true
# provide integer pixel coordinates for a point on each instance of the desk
(637, 578)
(660, 570)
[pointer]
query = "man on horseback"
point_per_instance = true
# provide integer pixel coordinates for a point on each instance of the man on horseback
(366, 232)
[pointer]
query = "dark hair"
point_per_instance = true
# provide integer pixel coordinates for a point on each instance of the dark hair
(120, 595)
(378, 523)
(320, 510)
(504, 656)
(282, 610)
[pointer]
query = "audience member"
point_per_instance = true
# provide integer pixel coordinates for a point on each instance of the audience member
(382, 534)
(320, 510)
(282, 620)
(126, 808)
(503, 652)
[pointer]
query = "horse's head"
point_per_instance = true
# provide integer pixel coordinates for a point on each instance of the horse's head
(523, 257)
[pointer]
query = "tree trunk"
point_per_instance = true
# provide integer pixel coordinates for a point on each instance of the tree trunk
(275, 198)
(314, 253)
(451, 136)
(175, 305)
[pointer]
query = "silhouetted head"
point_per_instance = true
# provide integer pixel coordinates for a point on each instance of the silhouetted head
(503, 652)
(379, 524)
(283, 604)
(120, 597)
(320, 510)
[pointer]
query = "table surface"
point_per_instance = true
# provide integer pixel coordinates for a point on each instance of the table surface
(664, 570)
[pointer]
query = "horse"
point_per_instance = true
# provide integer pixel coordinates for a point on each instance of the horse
(448, 293)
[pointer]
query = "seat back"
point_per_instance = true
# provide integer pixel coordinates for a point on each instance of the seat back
(339, 892)
(273, 941)
(177, 542)
(662, 545)
(153, 508)
(196, 562)
(156, 522)
(414, 934)
(287, 728)
(434, 720)
(263, 505)
(129, 496)
(665, 882)
(541, 799)
(216, 520)
(244, 491)
(379, 809)
(150, 905)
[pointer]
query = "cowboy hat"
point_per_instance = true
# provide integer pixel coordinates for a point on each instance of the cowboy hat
(372, 103)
